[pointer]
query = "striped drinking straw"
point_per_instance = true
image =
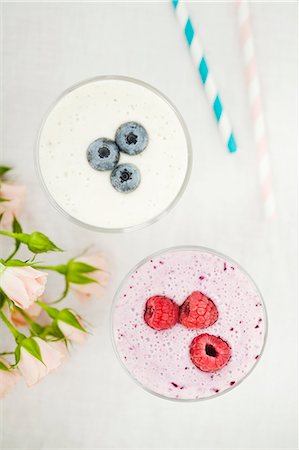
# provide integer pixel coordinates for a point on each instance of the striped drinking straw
(256, 108)
(205, 74)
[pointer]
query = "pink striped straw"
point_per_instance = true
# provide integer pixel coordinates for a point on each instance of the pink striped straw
(256, 108)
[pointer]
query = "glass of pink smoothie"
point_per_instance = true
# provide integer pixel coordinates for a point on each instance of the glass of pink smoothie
(188, 323)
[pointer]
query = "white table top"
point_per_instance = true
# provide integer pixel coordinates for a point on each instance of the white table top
(91, 402)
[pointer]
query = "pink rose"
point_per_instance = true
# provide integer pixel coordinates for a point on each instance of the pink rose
(8, 378)
(32, 368)
(23, 285)
(61, 347)
(33, 312)
(72, 333)
(15, 197)
(86, 291)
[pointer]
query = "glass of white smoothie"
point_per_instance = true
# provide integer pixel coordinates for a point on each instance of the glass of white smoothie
(113, 154)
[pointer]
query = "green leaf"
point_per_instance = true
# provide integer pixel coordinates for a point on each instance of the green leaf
(3, 367)
(40, 243)
(32, 347)
(77, 278)
(17, 263)
(52, 312)
(55, 330)
(4, 199)
(36, 328)
(2, 298)
(4, 169)
(80, 267)
(17, 354)
(48, 332)
(65, 315)
(16, 227)
(75, 272)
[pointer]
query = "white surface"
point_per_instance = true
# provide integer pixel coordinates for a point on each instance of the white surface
(91, 402)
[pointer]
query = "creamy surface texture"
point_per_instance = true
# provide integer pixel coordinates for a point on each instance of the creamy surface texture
(160, 360)
(96, 109)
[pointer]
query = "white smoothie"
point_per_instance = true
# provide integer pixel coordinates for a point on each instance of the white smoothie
(96, 109)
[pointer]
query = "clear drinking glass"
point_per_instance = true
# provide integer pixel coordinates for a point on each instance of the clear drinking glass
(159, 361)
(95, 108)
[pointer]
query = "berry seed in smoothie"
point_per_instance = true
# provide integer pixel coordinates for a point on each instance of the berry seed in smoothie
(189, 323)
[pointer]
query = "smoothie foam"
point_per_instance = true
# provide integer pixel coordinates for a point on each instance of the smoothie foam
(96, 109)
(160, 360)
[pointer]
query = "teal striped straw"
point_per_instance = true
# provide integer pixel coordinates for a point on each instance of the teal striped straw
(205, 75)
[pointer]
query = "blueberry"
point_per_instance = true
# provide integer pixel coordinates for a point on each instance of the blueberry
(125, 178)
(103, 154)
(131, 138)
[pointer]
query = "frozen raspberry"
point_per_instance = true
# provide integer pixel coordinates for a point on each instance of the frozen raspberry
(209, 353)
(198, 311)
(161, 312)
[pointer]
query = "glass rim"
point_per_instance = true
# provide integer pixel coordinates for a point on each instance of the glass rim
(171, 250)
(138, 226)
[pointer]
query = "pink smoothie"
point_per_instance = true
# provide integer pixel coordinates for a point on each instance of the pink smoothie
(159, 360)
